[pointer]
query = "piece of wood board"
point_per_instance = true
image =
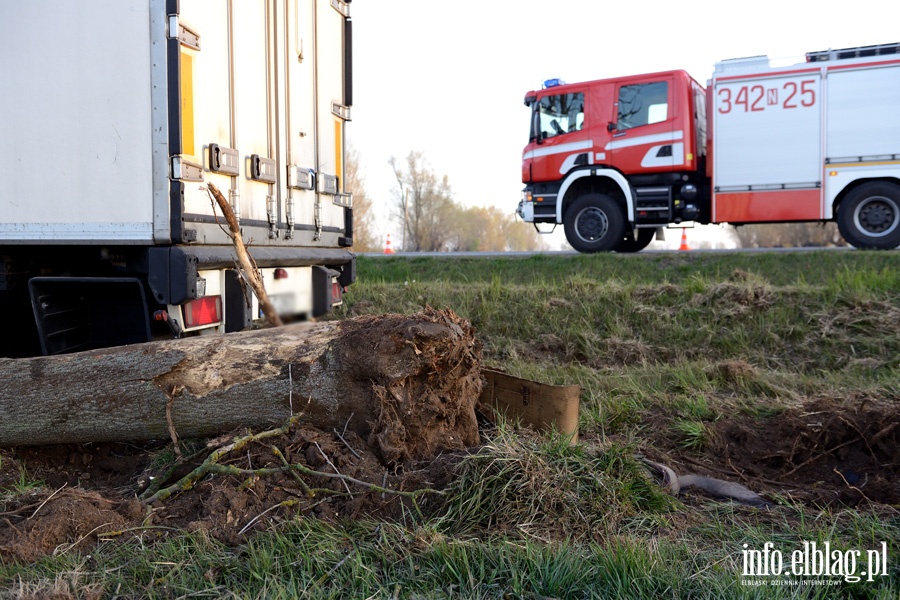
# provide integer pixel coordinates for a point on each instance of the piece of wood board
(539, 405)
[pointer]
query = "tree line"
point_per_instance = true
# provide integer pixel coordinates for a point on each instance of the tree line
(428, 216)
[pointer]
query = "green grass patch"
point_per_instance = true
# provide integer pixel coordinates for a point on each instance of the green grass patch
(666, 347)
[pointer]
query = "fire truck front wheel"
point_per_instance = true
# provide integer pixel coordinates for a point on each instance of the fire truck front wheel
(594, 223)
(869, 217)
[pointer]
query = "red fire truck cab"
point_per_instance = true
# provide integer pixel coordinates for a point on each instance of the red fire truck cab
(615, 160)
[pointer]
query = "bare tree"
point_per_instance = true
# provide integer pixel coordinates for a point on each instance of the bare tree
(424, 205)
(491, 229)
(364, 237)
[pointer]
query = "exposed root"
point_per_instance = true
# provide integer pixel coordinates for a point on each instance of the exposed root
(213, 466)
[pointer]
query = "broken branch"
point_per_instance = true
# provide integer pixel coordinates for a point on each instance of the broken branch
(248, 266)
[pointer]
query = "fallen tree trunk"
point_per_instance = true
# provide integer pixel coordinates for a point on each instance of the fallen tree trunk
(408, 384)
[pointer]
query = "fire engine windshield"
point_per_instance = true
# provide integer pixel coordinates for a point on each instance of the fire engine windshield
(557, 115)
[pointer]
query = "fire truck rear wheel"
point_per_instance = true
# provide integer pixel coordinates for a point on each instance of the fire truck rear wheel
(594, 223)
(869, 217)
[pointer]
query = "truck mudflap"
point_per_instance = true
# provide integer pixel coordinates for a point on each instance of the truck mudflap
(84, 313)
(173, 277)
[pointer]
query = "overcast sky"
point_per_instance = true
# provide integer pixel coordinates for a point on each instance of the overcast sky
(449, 78)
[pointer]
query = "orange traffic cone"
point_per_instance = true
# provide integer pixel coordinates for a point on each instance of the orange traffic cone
(683, 245)
(387, 245)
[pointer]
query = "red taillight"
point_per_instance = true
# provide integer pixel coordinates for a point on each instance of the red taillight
(336, 294)
(281, 274)
(203, 311)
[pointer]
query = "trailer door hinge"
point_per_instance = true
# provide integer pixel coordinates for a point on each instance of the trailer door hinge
(343, 199)
(184, 34)
(341, 7)
(340, 111)
(184, 170)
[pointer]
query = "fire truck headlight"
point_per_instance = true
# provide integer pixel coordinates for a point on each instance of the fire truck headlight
(689, 191)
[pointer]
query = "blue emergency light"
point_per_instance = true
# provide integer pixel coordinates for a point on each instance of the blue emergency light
(549, 83)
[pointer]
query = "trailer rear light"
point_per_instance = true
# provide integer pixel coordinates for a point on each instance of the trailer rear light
(203, 311)
(336, 291)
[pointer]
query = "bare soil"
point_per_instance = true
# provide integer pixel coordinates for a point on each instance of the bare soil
(90, 491)
(823, 452)
(826, 452)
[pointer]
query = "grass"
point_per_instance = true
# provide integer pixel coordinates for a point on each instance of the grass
(23, 483)
(664, 346)
(547, 488)
(836, 271)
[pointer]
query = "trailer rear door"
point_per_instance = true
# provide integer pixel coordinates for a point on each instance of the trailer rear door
(263, 112)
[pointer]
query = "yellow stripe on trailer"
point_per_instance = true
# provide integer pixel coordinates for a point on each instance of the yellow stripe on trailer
(187, 103)
(339, 152)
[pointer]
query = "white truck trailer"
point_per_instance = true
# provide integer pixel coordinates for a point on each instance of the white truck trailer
(114, 116)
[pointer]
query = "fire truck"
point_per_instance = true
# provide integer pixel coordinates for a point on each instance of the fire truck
(617, 160)
(117, 114)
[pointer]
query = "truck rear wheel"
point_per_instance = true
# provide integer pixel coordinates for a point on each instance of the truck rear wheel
(594, 223)
(869, 217)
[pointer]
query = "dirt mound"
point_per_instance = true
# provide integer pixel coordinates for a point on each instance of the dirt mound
(90, 492)
(823, 453)
(424, 401)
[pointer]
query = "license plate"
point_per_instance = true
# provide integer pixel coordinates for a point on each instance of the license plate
(284, 304)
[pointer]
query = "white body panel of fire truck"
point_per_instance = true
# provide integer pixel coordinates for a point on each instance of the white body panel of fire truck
(788, 140)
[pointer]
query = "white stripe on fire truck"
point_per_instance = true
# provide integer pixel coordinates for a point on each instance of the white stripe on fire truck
(668, 136)
(561, 149)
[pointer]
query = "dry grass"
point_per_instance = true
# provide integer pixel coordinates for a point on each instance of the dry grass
(521, 484)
